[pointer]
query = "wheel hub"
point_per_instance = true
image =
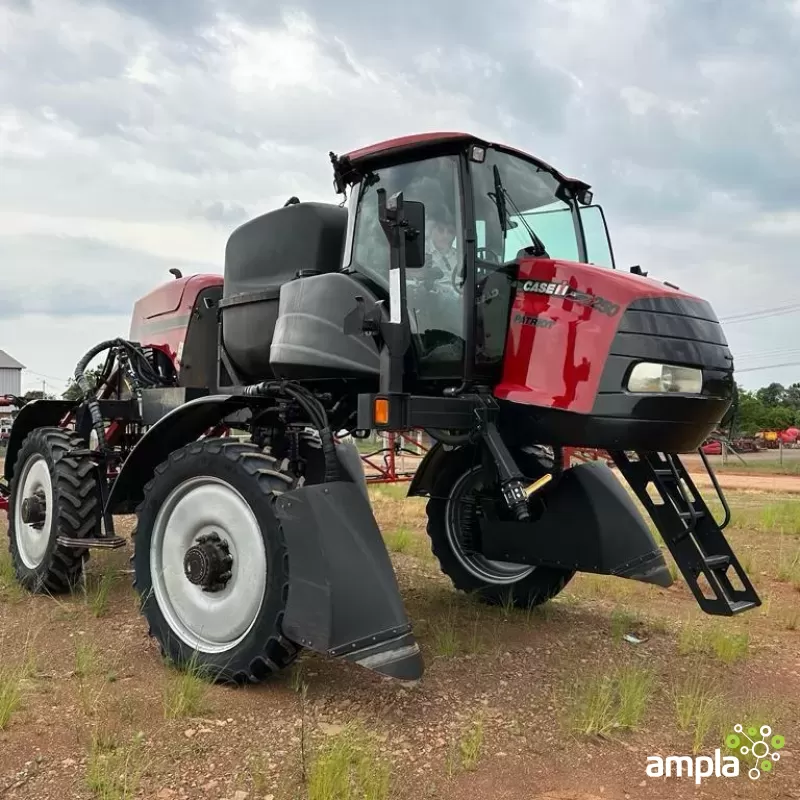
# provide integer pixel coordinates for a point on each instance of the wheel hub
(33, 509)
(208, 563)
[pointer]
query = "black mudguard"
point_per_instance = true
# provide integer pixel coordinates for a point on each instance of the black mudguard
(174, 430)
(36, 414)
(344, 600)
(591, 524)
(429, 468)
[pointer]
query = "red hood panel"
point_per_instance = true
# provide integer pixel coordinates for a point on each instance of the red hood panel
(563, 319)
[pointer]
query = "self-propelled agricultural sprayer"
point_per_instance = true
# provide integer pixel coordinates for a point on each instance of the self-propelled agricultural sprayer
(465, 288)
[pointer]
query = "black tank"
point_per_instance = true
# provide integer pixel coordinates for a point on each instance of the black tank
(260, 257)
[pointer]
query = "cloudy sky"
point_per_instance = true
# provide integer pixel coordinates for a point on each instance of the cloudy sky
(134, 134)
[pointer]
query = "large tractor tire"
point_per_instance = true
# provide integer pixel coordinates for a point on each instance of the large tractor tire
(51, 494)
(210, 561)
(453, 516)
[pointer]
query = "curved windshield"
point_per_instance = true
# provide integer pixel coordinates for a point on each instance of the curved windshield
(519, 206)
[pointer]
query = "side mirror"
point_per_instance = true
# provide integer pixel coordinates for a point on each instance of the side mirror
(414, 212)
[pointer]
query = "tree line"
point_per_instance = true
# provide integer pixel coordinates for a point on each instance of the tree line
(770, 408)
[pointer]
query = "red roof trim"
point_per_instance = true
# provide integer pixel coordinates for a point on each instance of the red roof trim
(403, 142)
(420, 140)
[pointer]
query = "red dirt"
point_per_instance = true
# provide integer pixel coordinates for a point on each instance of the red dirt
(518, 671)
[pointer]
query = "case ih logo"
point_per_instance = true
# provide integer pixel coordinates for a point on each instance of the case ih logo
(563, 289)
(546, 287)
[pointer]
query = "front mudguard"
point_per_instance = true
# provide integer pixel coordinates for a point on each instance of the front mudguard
(590, 524)
(344, 600)
(36, 414)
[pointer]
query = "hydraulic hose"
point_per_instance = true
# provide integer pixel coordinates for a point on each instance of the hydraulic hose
(87, 390)
(127, 354)
(316, 414)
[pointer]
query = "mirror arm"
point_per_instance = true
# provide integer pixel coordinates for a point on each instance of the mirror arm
(396, 333)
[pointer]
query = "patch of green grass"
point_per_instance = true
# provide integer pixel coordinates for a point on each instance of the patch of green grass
(446, 639)
(622, 622)
(726, 645)
(606, 586)
(634, 687)
(730, 646)
(185, 691)
(391, 491)
(615, 701)
(10, 590)
(789, 567)
(348, 767)
(11, 680)
(98, 589)
(697, 707)
(471, 744)
(399, 541)
(114, 772)
(775, 516)
(86, 659)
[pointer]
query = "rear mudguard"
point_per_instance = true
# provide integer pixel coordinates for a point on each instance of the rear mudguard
(344, 600)
(591, 524)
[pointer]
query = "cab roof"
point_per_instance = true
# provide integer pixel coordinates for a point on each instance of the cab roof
(407, 145)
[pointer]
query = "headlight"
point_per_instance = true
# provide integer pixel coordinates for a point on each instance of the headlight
(648, 377)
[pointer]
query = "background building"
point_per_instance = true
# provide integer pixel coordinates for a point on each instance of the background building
(10, 374)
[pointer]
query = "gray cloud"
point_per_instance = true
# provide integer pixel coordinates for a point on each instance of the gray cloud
(182, 117)
(219, 212)
(53, 276)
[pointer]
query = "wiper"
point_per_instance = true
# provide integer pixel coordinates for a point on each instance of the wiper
(501, 198)
(500, 201)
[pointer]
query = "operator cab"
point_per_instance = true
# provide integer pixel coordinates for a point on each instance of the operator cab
(485, 205)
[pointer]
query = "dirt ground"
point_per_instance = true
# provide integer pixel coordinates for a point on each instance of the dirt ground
(551, 704)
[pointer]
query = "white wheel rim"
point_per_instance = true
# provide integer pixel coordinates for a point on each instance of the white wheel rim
(32, 540)
(209, 622)
(498, 573)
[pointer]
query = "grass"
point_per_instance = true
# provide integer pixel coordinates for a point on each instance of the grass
(399, 541)
(185, 691)
(113, 772)
(446, 639)
(622, 622)
(10, 590)
(776, 516)
(471, 744)
(789, 568)
(348, 767)
(615, 701)
(11, 682)
(726, 645)
(98, 589)
(697, 707)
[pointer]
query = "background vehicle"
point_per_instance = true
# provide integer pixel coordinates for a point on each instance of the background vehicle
(331, 318)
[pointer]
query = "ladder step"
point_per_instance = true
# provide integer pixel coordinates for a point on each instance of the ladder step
(109, 543)
(691, 532)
